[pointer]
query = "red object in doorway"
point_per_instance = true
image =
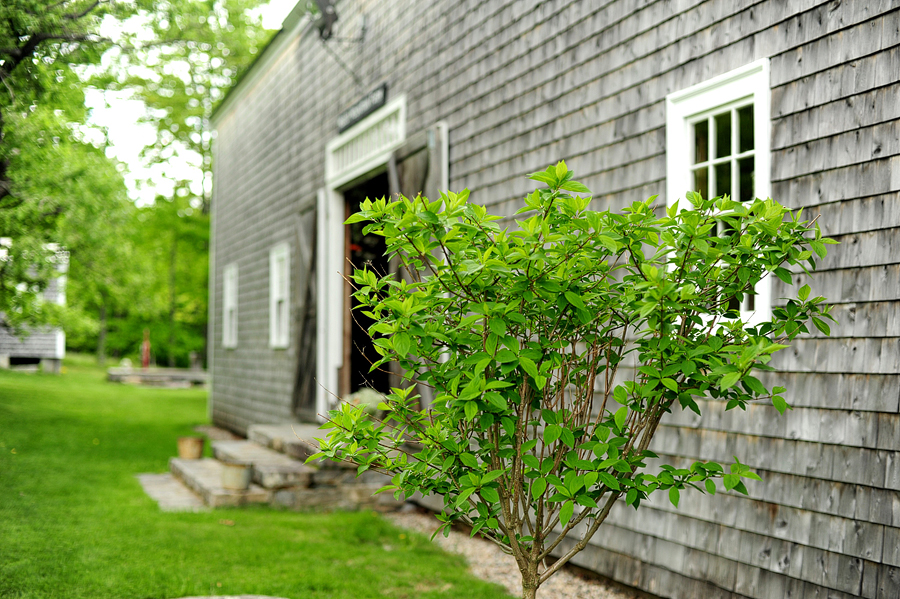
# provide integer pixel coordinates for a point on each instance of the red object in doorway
(145, 350)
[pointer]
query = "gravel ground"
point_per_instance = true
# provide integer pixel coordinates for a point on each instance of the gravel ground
(487, 562)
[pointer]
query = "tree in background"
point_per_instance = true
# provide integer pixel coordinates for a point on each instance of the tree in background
(181, 65)
(42, 154)
(130, 268)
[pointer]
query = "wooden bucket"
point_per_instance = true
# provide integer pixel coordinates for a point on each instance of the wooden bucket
(190, 448)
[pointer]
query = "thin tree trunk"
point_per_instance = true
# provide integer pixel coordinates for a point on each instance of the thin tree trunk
(530, 581)
(172, 258)
(101, 337)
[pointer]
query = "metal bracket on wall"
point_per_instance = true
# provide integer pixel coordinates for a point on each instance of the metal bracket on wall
(325, 24)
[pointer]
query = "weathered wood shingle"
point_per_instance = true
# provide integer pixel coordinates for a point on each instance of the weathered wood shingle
(523, 84)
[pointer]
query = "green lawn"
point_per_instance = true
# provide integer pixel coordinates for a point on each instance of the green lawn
(74, 521)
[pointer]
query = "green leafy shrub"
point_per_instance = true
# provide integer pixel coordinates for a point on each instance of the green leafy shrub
(555, 347)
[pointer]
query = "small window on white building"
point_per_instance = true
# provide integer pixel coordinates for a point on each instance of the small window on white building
(717, 143)
(279, 296)
(230, 306)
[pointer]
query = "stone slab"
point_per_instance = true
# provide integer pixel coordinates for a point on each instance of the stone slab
(339, 497)
(297, 440)
(204, 477)
(271, 469)
(215, 433)
(170, 493)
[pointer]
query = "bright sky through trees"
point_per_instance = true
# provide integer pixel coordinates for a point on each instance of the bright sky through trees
(118, 114)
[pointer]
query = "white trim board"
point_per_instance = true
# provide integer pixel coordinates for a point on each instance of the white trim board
(749, 83)
(366, 145)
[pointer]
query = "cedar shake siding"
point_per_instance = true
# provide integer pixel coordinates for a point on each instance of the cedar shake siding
(521, 85)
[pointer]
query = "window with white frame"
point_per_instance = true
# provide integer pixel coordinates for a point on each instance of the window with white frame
(717, 143)
(279, 295)
(230, 306)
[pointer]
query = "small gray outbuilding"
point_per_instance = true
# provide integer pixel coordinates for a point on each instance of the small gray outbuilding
(795, 100)
(43, 347)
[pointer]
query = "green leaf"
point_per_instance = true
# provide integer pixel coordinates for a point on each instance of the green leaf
(575, 186)
(631, 496)
(543, 177)
(401, 343)
(674, 496)
(355, 218)
(608, 242)
(821, 325)
(497, 326)
(490, 494)
(575, 300)
(528, 366)
(710, 486)
(610, 481)
(471, 410)
(538, 487)
(729, 380)
(491, 476)
(469, 460)
(565, 512)
(804, 292)
(670, 384)
(561, 169)
(552, 433)
(586, 501)
(731, 480)
(620, 417)
(784, 274)
(779, 403)
(496, 400)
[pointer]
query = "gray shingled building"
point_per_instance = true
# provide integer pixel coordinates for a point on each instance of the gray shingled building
(798, 100)
(44, 347)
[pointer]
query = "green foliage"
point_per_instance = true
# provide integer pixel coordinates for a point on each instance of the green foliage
(555, 347)
(146, 268)
(181, 64)
(130, 268)
(44, 164)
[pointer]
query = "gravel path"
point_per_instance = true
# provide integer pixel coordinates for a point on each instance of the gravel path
(487, 562)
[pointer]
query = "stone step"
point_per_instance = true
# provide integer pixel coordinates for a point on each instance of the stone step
(170, 493)
(271, 469)
(204, 477)
(297, 440)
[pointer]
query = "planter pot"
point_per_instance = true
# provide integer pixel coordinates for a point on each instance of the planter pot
(235, 476)
(190, 448)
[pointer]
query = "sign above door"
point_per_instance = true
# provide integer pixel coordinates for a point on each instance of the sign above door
(363, 107)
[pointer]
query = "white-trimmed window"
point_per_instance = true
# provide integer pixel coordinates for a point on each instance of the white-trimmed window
(279, 295)
(230, 306)
(717, 143)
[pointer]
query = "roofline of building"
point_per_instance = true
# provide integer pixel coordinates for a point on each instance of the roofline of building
(295, 25)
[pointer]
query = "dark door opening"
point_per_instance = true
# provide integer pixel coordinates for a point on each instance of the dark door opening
(363, 250)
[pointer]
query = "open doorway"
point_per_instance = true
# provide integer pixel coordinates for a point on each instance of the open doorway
(363, 250)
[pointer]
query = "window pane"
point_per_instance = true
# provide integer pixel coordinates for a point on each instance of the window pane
(282, 282)
(723, 179)
(701, 182)
(747, 175)
(745, 125)
(701, 142)
(723, 134)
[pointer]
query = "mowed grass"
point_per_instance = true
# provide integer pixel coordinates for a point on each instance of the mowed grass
(74, 521)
